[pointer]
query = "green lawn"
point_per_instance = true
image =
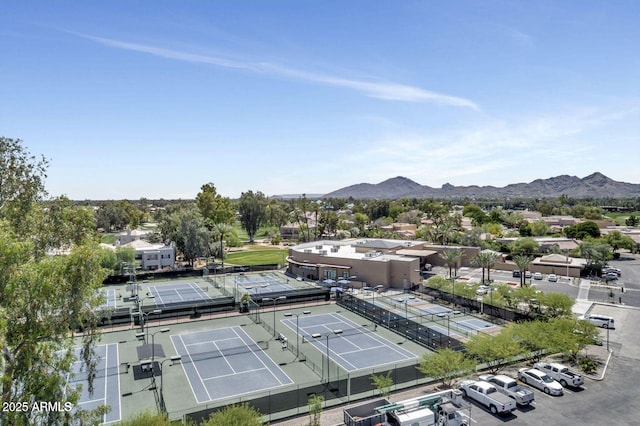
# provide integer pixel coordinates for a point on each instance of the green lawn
(621, 217)
(261, 256)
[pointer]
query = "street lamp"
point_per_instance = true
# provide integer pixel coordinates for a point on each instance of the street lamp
(145, 315)
(274, 300)
(288, 314)
(153, 335)
(141, 306)
(173, 359)
(336, 332)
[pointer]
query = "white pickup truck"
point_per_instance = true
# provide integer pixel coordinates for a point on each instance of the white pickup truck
(510, 387)
(560, 373)
(487, 395)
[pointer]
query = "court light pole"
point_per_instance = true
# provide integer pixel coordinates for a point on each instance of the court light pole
(274, 300)
(173, 360)
(140, 309)
(153, 351)
(297, 334)
(144, 316)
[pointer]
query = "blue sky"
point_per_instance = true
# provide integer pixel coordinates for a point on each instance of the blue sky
(133, 99)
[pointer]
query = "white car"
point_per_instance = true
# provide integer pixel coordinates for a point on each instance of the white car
(552, 278)
(537, 276)
(540, 380)
(483, 289)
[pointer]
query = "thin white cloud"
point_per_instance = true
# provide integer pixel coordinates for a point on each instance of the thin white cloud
(493, 152)
(521, 38)
(375, 89)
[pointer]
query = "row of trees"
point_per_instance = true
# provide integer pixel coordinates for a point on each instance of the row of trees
(528, 340)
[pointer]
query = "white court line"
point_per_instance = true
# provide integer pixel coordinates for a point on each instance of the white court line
(223, 356)
(362, 349)
(106, 380)
(156, 295)
(382, 342)
(118, 366)
(199, 291)
(260, 359)
(219, 340)
(184, 370)
(195, 368)
(237, 374)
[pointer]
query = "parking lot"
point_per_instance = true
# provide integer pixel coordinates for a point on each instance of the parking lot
(614, 400)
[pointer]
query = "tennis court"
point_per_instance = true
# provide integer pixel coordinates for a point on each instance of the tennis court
(474, 324)
(259, 284)
(348, 344)
(106, 384)
(109, 299)
(226, 362)
(178, 294)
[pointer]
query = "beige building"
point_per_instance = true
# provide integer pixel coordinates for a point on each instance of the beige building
(369, 261)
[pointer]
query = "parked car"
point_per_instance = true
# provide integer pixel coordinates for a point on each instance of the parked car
(608, 269)
(508, 386)
(483, 289)
(487, 395)
(540, 380)
(516, 273)
(561, 373)
(552, 278)
(537, 276)
(527, 274)
(610, 276)
(600, 320)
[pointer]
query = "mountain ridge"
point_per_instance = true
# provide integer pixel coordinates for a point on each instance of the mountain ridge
(595, 185)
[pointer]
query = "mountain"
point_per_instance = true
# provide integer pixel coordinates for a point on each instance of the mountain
(595, 185)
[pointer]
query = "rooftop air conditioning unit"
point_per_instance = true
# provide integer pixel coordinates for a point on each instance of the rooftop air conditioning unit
(318, 247)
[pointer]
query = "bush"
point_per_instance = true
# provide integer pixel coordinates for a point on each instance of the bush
(588, 365)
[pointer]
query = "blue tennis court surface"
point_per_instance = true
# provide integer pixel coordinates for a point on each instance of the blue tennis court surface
(474, 324)
(354, 348)
(109, 299)
(106, 384)
(178, 294)
(226, 362)
(435, 310)
(262, 285)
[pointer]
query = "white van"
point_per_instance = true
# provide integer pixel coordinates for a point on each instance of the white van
(600, 320)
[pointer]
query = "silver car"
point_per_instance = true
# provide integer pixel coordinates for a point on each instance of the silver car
(540, 380)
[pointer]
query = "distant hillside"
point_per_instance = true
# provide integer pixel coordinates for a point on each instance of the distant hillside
(595, 185)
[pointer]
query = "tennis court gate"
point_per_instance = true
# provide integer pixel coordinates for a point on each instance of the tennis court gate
(414, 328)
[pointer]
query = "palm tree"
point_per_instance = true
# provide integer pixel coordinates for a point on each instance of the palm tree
(522, 261)
(221, 230)
(485, 259)
(451, 258)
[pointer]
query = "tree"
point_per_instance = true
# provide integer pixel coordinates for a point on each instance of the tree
(478, 217)
(535, 336)
(540, 228)
(315, 409)
(43, 298)
(445, 365)
(632, 220)
(235, 415)
(186, 228)
(451, 258)
(524, 245)
(522, 261)
(494, 350)
(383, 383)
(582, 230)
(253, 211)
(485, 259)
(556, 304)
(617, 241)
(22, 178)
(220, 231)
(214, 207)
